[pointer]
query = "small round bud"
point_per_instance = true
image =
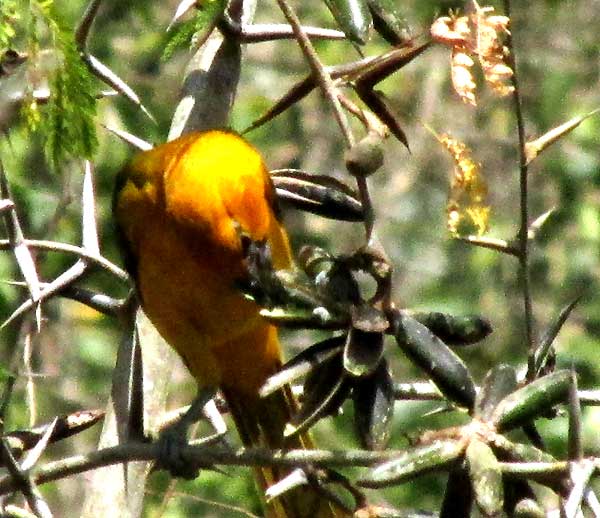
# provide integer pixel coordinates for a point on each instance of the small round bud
(365, 157)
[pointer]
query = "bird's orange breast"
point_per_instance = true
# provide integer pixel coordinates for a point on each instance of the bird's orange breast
(182, 208)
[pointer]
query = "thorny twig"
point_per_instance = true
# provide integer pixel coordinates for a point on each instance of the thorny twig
(20, 248)
(78, 251)
(330, 92)
(80, 268)
(95, 66)
(24, 483)
(257, 33)
(524, 202)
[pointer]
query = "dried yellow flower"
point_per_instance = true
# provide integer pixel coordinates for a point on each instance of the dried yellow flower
(466, 211)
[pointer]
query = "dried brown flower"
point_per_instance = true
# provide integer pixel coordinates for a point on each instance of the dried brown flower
(477, 35)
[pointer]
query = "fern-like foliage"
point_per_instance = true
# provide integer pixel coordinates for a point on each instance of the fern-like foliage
(195, 31)
(69, 122)
(8, 17)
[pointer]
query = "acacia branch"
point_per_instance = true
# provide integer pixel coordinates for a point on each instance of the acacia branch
(523, 241)
(199, 456)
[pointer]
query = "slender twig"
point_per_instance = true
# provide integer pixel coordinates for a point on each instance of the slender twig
(34, 454)
(95, 66)
(419, 391)
(80, 252)
(62, 281)
(575, 446)
(130, 138)
(201, 456)
(492, 243)
(85, 24)
(257, 33)
(347, 72)
(18, 244)
(214, 503)
(29, 383)
(331, 94)
(5, 399)
(589, 397)
(523, 200)
(318, 70)
(24, 483)
(90, 245)
(581, 472)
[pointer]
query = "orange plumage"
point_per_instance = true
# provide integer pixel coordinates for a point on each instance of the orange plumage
(182, 208)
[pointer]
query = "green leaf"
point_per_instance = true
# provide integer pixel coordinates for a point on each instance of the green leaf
(5, 373)
(519, 452)
(532, 400)
(353, 17)
(419, 460)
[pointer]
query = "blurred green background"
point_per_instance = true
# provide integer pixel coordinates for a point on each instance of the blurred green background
(559, 64)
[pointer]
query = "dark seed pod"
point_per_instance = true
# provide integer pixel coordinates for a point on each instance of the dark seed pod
(362, 353)
(318, 194)
(314, 260)
(325, 389)
(304, 363)
(435, 456)
(369, 319)
(353, 17)
(442, 365)
(486, 478)
(373, 399)
(364, 346)
(388, 22)
(499, 382)
(532, 400)
(455, 330)
(458, 497)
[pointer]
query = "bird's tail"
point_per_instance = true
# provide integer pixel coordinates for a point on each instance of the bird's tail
(260, 423)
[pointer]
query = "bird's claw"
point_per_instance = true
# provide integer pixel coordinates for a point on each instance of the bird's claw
(171, 444)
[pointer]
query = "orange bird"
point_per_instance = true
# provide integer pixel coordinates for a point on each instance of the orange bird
(181, 209)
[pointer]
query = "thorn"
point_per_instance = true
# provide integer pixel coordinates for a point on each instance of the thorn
(36, 452)
(89, 226)
(183, 7)
(129, 138)
(296, 478)
(105, 74)
(538, 223)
